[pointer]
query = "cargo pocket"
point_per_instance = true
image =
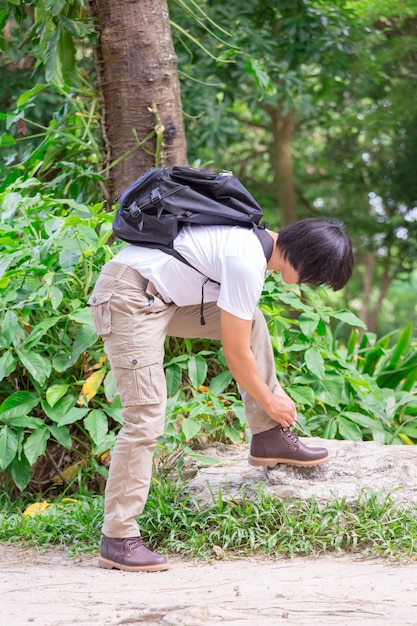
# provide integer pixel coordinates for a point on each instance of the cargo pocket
(100, 312)
(139, 377)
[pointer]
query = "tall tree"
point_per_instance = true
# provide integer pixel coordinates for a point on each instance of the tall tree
(371, 153)
(331, 120)
(138, 82)
(288, 54)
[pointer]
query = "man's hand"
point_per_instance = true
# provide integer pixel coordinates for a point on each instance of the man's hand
(236, 337)
(282, 409)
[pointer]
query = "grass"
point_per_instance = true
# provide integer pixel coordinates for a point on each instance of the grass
(174, 521)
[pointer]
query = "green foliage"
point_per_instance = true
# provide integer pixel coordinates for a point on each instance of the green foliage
(63, 150)
(56, 389)
(251, 523)
(358, 389)
(55, 33)
(51, 249)
(198, 412)
(56, 385)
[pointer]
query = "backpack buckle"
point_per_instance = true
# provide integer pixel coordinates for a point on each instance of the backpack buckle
(155, 195)
(134, 210)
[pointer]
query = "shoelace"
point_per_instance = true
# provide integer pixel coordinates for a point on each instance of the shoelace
(288, 433)
(134, 542)
(302, 429)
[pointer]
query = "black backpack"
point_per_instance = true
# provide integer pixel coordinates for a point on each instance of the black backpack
(153, 209)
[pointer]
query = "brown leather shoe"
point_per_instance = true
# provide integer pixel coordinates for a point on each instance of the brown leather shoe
(280, 445)
(130, 555)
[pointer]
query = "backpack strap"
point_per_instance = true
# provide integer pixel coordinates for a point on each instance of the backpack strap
(264, 237)
(267, 245)
(266, 240)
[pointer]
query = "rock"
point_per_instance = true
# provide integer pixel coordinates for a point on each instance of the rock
(354, 467)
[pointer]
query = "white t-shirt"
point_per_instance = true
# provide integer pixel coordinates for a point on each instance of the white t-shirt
(230, 255)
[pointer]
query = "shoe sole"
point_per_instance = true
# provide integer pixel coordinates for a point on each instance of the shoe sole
(106, 564)
(258, 461)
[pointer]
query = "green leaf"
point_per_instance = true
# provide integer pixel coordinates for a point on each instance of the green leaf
(314, 362)
(197, 370)
(10, 328)
(190, 428)
(173, 378)
(19, 403)
(7, 140)
(293, 301)
(35, 444)
(348, 317)
(301, 394)
(262, 78)
(97, 425)
(115, 411)
(73, 415)
(39, 330)
(348, 430)
(28, 95)
(68, 259)
(62, 435)
(38, 366)
(363, 420)
(330, 429)
(239, 411)
(51, 58)
(56, 296)
(7, 364)
(55, 393)
(26, 421)
(308, 323)
(220, 382)
(232, 434)
(9, 442)
(21, 472)
(55, 6)
(401, 345)
(66, 52)
(110, 388)
(410, 431)
(85, 337)
(69, 25)
(329, 390)
(60, 408)
(82, 316)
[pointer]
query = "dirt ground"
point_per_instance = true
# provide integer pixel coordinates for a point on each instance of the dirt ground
(48, 589)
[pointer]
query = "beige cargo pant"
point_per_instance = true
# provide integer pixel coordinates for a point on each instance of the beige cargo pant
(133, 321)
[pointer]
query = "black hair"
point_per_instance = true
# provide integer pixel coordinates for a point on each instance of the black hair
(319, 250)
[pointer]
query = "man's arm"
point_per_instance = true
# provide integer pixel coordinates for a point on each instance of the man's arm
(236, 337)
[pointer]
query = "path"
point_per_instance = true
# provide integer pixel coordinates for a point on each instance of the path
(50, 590)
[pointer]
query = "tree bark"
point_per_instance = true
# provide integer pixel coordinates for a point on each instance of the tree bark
(368, 260)
(139, 88)
(283, 134)
(389, 273)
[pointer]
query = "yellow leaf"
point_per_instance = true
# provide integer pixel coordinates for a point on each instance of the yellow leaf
(91, 386)
(69, 473)
(406, 439)
(101, 363)
(36, 508)
(203, 389)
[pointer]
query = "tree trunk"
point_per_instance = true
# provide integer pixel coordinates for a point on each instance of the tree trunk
(368, 260)
(283, 132)
(139, 88)
(386, 280)
(370, 315)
